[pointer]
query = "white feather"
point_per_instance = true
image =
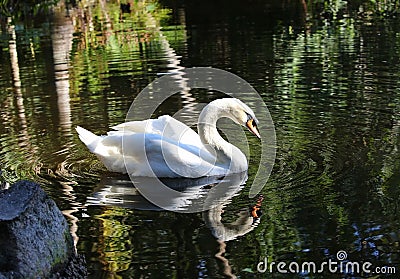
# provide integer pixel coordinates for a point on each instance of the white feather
(165, 147)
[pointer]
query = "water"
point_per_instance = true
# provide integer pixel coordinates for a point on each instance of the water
(331, 85)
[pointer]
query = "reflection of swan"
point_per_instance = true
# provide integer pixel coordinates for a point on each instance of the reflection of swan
(246, 221)
(171, 148)
(118, 190)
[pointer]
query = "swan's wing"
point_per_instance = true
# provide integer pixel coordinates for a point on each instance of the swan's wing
(121, 151)
(182, 160)
(166, 126)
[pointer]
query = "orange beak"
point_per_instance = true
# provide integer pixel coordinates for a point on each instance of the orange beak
(253, 128)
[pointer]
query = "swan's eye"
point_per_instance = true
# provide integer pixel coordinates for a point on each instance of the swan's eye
(248, 116)
(250, 122)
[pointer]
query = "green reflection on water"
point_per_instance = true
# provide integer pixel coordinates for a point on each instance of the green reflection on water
(331, 87)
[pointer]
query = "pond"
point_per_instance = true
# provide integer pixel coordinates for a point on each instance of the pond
(330, 79)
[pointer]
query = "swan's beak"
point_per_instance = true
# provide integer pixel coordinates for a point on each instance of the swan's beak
(252, 126)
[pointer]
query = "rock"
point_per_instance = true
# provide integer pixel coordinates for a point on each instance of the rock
(35, 241)
(76, 268)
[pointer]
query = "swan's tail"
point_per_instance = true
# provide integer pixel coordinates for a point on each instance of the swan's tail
(88, 138)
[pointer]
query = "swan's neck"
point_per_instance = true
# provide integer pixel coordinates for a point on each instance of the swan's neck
(225, 152)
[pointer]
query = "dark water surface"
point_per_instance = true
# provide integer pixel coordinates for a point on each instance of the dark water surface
(332, 88)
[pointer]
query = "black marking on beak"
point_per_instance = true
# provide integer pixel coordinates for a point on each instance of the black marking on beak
(251, 124)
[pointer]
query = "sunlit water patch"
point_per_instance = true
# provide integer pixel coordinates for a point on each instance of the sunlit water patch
(331, 88)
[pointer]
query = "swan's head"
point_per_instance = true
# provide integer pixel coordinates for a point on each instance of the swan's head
(240, 113)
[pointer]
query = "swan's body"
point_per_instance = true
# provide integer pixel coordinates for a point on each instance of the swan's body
(165, 147)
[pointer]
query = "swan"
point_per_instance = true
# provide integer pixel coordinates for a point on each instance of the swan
(165, 147)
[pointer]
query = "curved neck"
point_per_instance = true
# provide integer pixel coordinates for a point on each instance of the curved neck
(207, 129)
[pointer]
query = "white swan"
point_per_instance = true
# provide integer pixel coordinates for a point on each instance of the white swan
(165, 147)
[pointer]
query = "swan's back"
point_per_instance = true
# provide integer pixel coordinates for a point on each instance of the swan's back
(171, 148)
(166, 126)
